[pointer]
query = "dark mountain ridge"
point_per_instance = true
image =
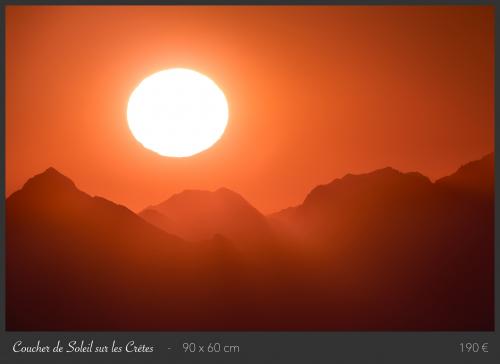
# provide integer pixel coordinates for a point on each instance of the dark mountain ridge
(76, 262)
(406, 238)
(380, 251)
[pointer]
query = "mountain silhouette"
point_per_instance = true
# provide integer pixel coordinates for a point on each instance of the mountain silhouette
(77, 262)
(407, 241)
(476, 177)
(383, 250)
(328, 208)
(198, 215)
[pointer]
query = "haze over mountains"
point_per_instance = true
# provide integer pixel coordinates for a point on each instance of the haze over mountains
(379, 251)
(197, 215)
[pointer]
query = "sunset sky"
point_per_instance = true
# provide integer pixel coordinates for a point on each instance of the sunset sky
(314, 93)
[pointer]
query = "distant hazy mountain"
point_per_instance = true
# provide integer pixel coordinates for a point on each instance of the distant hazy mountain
(379, 251)
(197, 215)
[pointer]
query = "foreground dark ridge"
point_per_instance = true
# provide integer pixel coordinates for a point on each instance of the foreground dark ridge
(379, 251)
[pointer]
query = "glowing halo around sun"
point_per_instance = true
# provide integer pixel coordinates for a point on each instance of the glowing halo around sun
(177, 112)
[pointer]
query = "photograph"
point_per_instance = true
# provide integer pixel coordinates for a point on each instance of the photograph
(249, 168)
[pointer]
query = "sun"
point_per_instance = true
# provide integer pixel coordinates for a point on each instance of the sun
(177, 112)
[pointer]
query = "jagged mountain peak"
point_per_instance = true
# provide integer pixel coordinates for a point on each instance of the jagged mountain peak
(51, 180)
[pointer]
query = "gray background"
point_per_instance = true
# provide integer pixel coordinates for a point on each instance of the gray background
(255, 347)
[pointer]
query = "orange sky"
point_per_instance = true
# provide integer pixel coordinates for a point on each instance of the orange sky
(314, 93)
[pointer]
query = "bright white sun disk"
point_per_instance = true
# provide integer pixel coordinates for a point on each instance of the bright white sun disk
(177, 112)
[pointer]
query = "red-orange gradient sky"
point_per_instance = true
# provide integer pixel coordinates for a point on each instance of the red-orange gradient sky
(314, 93)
